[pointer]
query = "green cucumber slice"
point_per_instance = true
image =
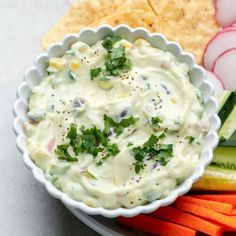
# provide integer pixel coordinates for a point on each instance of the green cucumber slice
(231, 142)
(216, 179)
(229, 126)
(223, 98)
(228, 102)
(225, 157)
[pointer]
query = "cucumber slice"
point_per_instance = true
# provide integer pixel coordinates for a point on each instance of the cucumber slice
(225, 157)
(223, 98)
(229, 125)
(231, 142)
(227, 107)
(216, 179)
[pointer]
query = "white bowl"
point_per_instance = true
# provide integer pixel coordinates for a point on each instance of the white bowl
(197, 76)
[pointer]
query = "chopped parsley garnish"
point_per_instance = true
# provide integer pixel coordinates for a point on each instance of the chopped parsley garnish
(95, 72)
(156, 121)
(110, 40)
(92, 141)
(63, 154)
(112, 150)
(151, 149)
(118, 127)
(190, 139)
(116, 62)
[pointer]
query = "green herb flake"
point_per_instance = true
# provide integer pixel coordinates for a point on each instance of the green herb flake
(89, 174)
(92, 141)
(63, 154)
(72, 75)
(95, 72)
(118, 127)
(156, 121)
(75, 140)
(116, 62)
(110, 40)
(152, 149)
(190, 139)
(138, 167)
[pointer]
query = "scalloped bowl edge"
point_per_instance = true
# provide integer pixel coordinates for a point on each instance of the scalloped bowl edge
(197, 76)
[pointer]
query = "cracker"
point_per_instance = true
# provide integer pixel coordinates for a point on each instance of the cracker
(80, 15)
(134, 18)
(135, 13)
(189, 22)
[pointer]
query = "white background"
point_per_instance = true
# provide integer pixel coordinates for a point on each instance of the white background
(25, 207)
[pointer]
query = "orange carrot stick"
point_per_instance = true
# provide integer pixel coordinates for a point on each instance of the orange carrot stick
(227, 198)
(180, 217)
(224, 208)
(154, 226)
(233, 213)
(206, 213)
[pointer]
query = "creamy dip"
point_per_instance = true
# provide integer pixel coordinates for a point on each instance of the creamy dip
(147, 120)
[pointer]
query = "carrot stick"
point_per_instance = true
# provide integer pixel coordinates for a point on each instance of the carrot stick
(233, 213)
(207, 213)
(227, 198)
(224, 208)
(154, 226)
(228, 192)
(180, 217)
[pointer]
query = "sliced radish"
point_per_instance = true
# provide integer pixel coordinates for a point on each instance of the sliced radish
(225, 68)
(230, 28)
(225, 12)
(222, 41)
(217, 84)
(51, 144)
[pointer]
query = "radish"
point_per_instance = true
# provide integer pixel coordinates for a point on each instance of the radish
(230, 28)
(51, 144)
(217, 84)
(225, 12)
(222, 41)
(225, 68)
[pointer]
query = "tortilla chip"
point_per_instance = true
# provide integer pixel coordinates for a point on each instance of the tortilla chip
(80, 15)
(135, 13)
(189, 22)
(134, 18)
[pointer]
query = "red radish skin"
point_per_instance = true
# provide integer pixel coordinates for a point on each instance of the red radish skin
(230, 28)
(51, 144)
(225, 68)
(225, 12)
(222, 41)
(217, 84)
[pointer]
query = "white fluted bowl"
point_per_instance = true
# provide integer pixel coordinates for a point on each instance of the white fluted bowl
(197, 76)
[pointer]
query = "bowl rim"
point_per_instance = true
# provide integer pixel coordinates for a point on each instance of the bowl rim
(210, 103)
